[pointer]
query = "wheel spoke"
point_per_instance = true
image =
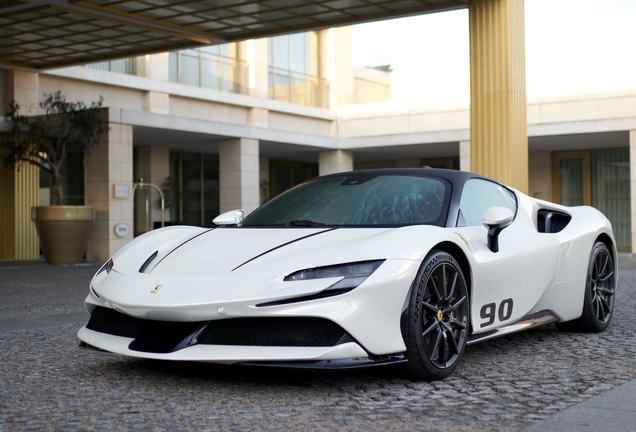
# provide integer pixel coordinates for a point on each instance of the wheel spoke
(434, 345)
(601, 309)
(432, 288)
(604, 278)
(604, 307)
(452, 343)
(453, 283)
(596, 304)
(453, 320)
(429, 306)
(602, 263)
(429, 329)
(443, 283)
(443, 349)
(605, 290)
(454, 307)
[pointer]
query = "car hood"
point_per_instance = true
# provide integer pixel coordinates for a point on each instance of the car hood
(238, 251)
(197, 253)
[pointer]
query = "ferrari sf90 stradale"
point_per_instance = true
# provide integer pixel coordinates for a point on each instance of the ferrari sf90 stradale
(358, 269)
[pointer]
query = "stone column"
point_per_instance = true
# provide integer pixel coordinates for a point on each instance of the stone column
(334, 161)
(632, 170)
(498, 91)
(109, 191)
(239, 175)
(153, 166)
(155, 66)
(338, 65)
(464, 155)
(256, 55)
(23, 87)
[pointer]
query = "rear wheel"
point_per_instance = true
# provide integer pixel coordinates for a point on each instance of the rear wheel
(437, 318)
(600, 288)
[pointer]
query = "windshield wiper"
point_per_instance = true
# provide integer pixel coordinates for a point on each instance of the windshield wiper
(304, 222)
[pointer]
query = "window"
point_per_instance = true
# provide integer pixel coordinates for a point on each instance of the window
(290, 52)
(215, 67)
(194, 188)
(358, 200)
(294, 70)
(479, 195)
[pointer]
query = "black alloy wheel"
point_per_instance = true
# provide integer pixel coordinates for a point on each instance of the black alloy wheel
(600, 290)
(438, 317)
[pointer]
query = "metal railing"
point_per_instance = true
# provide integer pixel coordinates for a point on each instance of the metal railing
(289, 86)
(203, 69)
(126, 66)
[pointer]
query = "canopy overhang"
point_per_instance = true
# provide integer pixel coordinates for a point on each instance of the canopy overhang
(43, 34)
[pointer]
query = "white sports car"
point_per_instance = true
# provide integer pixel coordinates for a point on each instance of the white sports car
(358, 269)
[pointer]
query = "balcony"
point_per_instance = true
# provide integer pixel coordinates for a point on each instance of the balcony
(204, 69)
(294, 87)
(128, 66)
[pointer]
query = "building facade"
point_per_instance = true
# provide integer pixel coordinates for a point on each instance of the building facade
(230, 126)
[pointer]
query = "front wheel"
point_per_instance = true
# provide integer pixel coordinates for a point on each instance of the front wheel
(437, 318)
(600, 288)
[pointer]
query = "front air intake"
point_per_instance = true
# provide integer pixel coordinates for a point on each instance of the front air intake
(283, 331)
(111, 322)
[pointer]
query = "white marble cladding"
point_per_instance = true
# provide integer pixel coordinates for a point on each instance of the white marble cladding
(335, 161)
(239, 175)
(109, 163)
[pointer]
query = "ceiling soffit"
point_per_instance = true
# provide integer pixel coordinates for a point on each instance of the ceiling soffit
(41, 34)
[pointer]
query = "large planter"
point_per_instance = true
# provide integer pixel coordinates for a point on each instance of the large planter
(63, 232)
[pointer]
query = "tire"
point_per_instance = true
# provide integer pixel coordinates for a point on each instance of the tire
(600, 289)
(437, 318)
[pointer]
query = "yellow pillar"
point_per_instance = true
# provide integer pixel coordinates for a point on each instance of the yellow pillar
(18, 193)
(499, 137)
(19, 189)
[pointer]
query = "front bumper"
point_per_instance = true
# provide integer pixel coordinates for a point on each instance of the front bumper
(370, 313)
(225, 353)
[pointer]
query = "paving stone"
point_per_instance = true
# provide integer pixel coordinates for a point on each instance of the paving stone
(49, 383)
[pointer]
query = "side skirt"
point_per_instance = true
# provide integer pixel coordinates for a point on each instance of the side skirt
(531, 321)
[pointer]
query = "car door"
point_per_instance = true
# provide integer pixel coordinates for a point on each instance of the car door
(506, 284)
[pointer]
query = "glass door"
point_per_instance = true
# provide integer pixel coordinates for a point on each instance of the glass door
(571, 177)
(611, 190)
(596, 178)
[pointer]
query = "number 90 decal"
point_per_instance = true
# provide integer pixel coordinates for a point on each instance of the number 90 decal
(489, 310)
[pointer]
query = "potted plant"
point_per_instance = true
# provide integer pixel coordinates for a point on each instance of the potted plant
(43, 141)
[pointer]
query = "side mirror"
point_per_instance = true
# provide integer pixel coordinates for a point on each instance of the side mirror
(232, 217)
(495, 219)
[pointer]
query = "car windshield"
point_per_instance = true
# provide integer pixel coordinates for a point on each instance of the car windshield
(358, 200)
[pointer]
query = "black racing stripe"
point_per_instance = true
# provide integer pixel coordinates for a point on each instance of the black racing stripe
(280, 246)
(192, 238)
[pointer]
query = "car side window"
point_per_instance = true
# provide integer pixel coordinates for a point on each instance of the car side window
(479, 195)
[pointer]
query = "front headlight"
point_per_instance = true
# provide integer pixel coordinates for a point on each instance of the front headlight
(352, 274)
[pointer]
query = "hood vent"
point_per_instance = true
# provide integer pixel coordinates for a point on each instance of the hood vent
(145, 265)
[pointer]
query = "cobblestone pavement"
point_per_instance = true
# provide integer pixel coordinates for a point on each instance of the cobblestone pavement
(49, 383)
